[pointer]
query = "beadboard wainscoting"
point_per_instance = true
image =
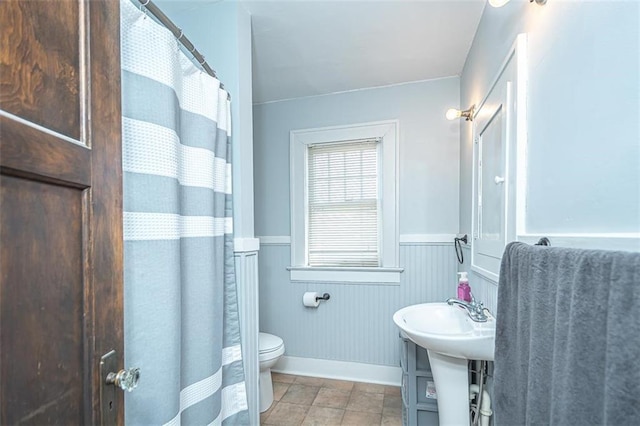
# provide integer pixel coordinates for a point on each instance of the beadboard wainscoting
(355, 325)
(484, 290)
(246, 263)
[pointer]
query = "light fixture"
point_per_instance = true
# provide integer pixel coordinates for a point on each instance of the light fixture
(453, 113)
(500, 3)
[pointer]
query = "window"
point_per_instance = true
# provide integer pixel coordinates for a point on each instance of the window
(344, 204)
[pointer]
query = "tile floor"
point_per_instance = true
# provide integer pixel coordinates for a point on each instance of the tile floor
(314, 401)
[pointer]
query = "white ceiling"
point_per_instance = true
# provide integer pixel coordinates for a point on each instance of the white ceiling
(305, 48)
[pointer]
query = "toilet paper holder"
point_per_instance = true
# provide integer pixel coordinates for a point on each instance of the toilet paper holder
(325, 296)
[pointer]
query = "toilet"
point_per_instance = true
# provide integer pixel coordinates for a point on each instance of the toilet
(271, 350)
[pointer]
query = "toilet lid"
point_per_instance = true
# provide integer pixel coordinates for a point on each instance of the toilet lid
(268, 342)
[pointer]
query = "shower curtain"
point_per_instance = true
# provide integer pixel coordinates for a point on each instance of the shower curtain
(181, 313)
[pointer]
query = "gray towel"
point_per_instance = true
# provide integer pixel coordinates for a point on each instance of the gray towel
(567, 337)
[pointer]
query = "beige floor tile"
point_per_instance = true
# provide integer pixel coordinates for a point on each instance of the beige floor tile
(366, 402)
(304, 400)
(285, 414)
(356, 418)
(263, 416)
(392, 408)
(300, 394)
(392, 411)
(369, 388)
(392, 390)
(392, 401)
(323, 416)
(334, 398)
(309, 381)
(279, 389)
(338, 384)
(282, 378)
(391, 420)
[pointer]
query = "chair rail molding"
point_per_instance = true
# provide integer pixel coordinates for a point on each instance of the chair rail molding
(246, 245)
(404, 239)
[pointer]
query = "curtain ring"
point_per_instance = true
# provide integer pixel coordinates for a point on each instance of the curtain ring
(143, 8)
(204, 61)
(181, 33)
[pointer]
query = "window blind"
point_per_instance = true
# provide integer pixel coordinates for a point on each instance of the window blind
(343, 204)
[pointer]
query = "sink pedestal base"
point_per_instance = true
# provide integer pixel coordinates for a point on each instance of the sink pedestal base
(451, 378)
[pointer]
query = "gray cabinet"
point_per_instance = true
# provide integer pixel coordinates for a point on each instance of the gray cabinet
(419, 406)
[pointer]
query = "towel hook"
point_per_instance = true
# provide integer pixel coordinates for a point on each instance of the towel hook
(544, 241)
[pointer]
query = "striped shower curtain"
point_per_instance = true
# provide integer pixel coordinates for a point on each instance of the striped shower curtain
(181, 313)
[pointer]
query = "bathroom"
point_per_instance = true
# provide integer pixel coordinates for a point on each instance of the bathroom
(582, 162)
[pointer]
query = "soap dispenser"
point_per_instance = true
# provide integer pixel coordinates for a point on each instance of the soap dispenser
(464, 291)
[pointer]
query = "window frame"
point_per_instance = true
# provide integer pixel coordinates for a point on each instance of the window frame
(389, 271)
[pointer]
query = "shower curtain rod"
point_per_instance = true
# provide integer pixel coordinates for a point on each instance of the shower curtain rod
(179, 35)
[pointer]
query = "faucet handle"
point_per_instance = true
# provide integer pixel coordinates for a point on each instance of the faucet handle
(478, 305)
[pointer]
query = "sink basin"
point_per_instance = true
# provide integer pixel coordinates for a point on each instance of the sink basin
(451, 338)
(448, 330)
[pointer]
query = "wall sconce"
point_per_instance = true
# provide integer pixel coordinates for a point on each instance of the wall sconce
(453, 113)
(500, 3)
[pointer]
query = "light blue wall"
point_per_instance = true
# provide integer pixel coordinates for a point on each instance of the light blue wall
(356, 323)
(584, 116)
(584, 127)
(428, 150)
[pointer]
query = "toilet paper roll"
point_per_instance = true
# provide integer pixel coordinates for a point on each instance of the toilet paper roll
(310, 299)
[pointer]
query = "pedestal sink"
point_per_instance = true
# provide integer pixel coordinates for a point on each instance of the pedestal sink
(451, 339)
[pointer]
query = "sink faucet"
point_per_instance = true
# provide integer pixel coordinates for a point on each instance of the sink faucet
(473, 308)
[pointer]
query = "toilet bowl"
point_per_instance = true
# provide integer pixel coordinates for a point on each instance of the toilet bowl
(271, 350)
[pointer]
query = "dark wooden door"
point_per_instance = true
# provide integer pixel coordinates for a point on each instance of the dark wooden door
(60, 208)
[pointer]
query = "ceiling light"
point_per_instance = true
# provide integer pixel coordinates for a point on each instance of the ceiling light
(500, 3)
(453, 113)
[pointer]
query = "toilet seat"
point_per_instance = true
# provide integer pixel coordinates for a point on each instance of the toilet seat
(270, 346)
(269, 343)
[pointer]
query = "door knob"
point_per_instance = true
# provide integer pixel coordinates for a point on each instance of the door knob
(498, 180)
(110, 397)
(124, 379)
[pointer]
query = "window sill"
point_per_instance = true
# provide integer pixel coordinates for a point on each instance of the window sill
(383, 275)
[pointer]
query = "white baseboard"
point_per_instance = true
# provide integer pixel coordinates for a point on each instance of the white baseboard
(340, 370)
